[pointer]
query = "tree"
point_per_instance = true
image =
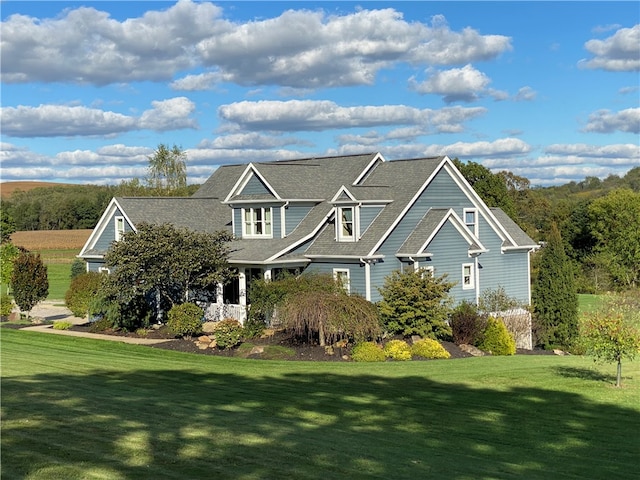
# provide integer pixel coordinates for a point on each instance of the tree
(29, 280)
(167, 169)
(615, 225)
(166, 265)
(612, 332)
(7, 226)
(554, 295)
(8, 253)
(416, 303)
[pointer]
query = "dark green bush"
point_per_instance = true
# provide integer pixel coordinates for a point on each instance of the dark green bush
(228, 333)
(253, 327)
(101, 325)
(78, 267)
(367, 352)
(429, 348)
(185, 319)
(496, 339)
(467, 324)
(397, 350)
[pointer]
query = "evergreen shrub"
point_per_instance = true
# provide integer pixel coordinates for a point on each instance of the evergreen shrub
(5, 305)
(367, 352)
(496, 338)
(397, 350)
(429, 348)
(185, 319)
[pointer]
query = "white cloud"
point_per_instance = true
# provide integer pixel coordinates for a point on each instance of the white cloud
(63, 120)
(252, 140)
(298, 49)
(457, 84)
(606, 121)
(617, 53)
(525, 94)
(299, 115)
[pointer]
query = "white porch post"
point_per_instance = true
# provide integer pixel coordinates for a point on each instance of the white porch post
(242, 284)
(267, 274)
(367, 281)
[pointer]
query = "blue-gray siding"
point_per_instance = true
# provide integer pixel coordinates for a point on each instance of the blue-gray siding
(294, 215)
(367, 215)
(255, 187)
(108, 235)
(356, 273)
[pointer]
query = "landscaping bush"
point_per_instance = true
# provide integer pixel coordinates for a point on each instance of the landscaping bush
(496, 339)
(228, 333)
(367, 352)
(253, 327)
(62, 325)
(78, 267)
(429, 348)
(185, 319)
(467, 324)
(5, 305)
(101, 325)
(397, 350)
(82, 293)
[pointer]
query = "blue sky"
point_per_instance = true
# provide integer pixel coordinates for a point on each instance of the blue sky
(546, 90)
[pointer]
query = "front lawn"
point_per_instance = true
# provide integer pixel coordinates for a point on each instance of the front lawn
(76, 408)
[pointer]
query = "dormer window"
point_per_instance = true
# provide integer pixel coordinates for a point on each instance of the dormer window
(119, 224)
(257, 222)
(346, 224)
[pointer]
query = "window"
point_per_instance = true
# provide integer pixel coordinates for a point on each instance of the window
(346, 226)
(119, 221)
(467, 276)
(342, 275)
(257, 222)
(426, 272)
(470, 220)
(104, 270)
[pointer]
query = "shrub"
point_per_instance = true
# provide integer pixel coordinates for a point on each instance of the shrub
(496, 339)
(429, 348)
(367, 352)
(185, 319)
(467, 324)
(228, 333)
(397, 350)
(416, 304)
(62, 325)
(101, 325)
(5, 305)
(78, 267)
(82, 293)
(253, 327)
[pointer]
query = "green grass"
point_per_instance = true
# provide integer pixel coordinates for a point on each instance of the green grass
(59, 275)
(75, 408)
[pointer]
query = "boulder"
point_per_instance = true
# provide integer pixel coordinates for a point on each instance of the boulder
(476, 352)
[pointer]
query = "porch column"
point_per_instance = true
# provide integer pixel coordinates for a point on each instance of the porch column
(267, 274)
(242, 285)
(367, 281)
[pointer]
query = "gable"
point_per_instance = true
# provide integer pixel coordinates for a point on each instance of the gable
(255, 186)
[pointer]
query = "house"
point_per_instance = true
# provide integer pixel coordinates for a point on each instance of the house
(358, 217)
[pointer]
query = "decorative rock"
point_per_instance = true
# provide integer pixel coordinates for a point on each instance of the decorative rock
(476, 352)
(209, 327)
(204, 339)
(268, 333)
(559, 352)
(345, 357)
(202, 346)
(213, 343)
(328, 350)
(415, 338)
(257, 350)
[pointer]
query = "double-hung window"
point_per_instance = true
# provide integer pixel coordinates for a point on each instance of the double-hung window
(119, 222)
(471, 220)
(342, 276)
(257, 222)
(347, 224)
(468, 280)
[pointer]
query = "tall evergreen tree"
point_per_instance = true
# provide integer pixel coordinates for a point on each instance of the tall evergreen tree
(29, 280)
(555, 298)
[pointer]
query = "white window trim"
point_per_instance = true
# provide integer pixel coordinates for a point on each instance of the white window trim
(253, 223)
(104, 270)
(427, 269)
(475, 216)
(119, 220)
(355, 224)
(347, 284)
(472, 279)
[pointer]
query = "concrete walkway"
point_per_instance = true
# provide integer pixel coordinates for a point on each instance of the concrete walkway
(51, 311)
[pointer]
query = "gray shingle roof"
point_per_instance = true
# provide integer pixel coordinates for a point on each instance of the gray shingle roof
(423, 231)
(519, 236)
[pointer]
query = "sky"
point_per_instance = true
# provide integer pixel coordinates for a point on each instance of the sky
(546, 90)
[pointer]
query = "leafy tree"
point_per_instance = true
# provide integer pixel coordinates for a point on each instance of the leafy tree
(554, 295)
(167, 265)
(416, 304)
(612, 332)
(167, 169)
(83, 292)
(29, 280)
(615, 224)
(7, 226)
(492, 188)
(8, 253)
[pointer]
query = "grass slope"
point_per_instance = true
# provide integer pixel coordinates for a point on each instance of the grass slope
(78, 408)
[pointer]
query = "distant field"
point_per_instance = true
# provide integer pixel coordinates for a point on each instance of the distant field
(39, 240)
(7, 188)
